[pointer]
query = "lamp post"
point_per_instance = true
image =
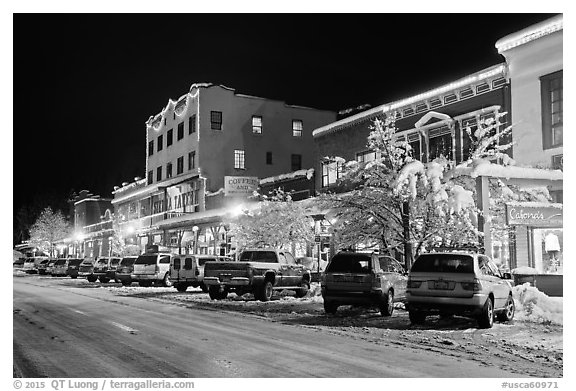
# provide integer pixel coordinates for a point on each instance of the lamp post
(195, 230)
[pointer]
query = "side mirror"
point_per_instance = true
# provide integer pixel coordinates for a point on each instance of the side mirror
(507, 276)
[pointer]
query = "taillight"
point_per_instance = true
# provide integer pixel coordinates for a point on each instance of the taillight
(472, 286)
(376, 281)
(413, 284)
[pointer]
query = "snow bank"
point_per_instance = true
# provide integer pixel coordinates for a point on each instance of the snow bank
(524, 270)
(536, 307)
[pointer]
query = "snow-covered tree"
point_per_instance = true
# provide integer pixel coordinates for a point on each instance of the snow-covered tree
(49, 228)
(277, 222)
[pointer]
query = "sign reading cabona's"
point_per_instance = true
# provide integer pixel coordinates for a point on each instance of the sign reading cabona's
(534, 214)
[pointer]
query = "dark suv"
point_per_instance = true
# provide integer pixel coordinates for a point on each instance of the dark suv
(73, 267)
(105, 268)
(360, 278)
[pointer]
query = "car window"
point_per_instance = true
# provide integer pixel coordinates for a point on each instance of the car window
(202, 261)
(115, 261)
(282, 258)
(176, 264)
(127, 261)
(188, 264)
(484, 266)
(290, 259)
(146, 260)
(165, 259)
(386, 264)
(444, 263)
(259, 256)
(349, 263)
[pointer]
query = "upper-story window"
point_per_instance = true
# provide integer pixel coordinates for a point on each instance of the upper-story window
(415, 146)
(160, 142)
(180, 165)
(191, 160)
(192, 124)
(257, 124)
(366, 156)
(169, 137)
(180, 131)
(150, 148)
(296, 161)
(469, 129)
(268, 157)
(168, 170)
(159, 174)
(216, 120)
(297, 127)
(331, 172)
(552, 109)
(239, 158)
(150, 177)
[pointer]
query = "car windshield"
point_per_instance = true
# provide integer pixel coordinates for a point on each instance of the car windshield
(127, 261)
(102, 262)
(146, 260)
(259, 256)
(74, 262)
(115, 262)
(202, 261)
(60, 262)
(349, 263)
(444, 263)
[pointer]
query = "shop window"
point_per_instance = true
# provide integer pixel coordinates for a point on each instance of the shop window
(239, 159)
(169, 137)
(257, 124)
(552, 109)
(331, 172)
(180, 131)
(297, 127)
(192, 124)
(216, 120)
(296, 162)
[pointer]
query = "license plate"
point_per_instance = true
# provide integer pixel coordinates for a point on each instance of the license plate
(441, 285)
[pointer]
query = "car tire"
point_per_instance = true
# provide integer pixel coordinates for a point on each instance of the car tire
(181, 287)
(387, 306)
(304, 289)
(73, 277)
(416, 317)
(91, 278)
(104, 280)
(486, 317)
(509, 309)
(203, 287)
(166, 281)
(214, 292)
(266, 291)
(330, 308)
(126, 282)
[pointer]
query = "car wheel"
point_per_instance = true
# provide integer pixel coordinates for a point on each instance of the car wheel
(266, 291)
(387, 306)
(509, 309)
(330, 308)
(73, 277)
(91, 278)
(486, 318)
(224, 294)
(126, 282)
(104, 280)
(416, 317)
(166, 281)
(181, 287)
(203, 287)
(304, 288)
(214, 292)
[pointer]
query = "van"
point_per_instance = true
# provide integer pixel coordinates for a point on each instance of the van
(73, 267)
(152, 267)
(188, 270)
(86, 270)
(125, 269)
(105, 268)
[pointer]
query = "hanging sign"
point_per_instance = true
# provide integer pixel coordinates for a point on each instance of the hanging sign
(538, 216)
(240, 185)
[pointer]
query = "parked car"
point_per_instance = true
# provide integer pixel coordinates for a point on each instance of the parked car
(105, 268)
(188, 270)
(125, 269)
(459, 283)
(31, 264)
(152, 268)
(363, 279)
(59, 267)
(259, 271)
(73, 267)
(43, 265)
(86, 270)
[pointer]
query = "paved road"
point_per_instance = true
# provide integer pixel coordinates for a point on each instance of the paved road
(63, 329)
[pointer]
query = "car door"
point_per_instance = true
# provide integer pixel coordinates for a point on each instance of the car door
(401, 279)
(283, 275)
(503, 289)
(295, 271)
(188, 272)
(175, 267)
(491, 280)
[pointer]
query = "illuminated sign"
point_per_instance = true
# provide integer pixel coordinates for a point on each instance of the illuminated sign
(240, 185)
(533, 215)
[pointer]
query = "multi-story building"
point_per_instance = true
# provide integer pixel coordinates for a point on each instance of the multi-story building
(206, 152)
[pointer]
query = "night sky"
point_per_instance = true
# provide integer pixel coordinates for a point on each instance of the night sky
(85, 84)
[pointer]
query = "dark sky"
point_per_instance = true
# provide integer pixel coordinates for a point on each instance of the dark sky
(85, 84)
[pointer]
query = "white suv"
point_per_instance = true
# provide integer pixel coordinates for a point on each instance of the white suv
(152, 267)
(458, 283)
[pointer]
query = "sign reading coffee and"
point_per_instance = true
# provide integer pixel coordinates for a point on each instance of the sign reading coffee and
(240, 185)
(539, 216)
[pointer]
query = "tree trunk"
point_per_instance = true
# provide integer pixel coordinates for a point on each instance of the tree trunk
(407, 240)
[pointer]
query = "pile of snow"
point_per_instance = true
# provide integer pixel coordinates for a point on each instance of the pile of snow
(536, 307)
(524, 270)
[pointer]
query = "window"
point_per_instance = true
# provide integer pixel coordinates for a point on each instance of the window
(188, 264)
(296, 162)
(180, 165)
(257, 124)
(191, 160)
(415, 149)
(268, 157)
(169, 170)
(552, 109)
(331, 172)
(160, 142)
(366, 156)
(151, 148)
(158, 174)
(150, 178)
(169, 137)
(297, 127)
(216, 120)
(192, 124)
(239, 158)
(558, 162)
(180, 130)
(440, 143)
(177, 265)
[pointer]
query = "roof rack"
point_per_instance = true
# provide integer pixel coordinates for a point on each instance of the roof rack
(467, 248)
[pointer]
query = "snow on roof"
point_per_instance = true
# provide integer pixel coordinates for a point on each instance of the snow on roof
(291, 175)
(485, 168)
(530, 33)
(388, 107)
(219, 191)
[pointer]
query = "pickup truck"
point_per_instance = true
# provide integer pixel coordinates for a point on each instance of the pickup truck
(258, 271)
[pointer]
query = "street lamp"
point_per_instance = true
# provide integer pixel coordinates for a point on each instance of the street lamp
(195, 230)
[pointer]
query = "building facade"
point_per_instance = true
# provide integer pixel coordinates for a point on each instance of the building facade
(206, 153)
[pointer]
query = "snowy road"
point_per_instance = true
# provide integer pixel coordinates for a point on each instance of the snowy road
(69, 328)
